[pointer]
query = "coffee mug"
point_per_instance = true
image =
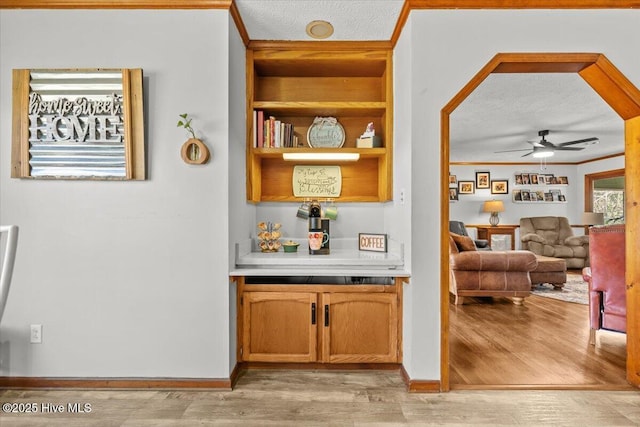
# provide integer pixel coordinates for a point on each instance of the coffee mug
(331, 212)
(303, 211)
(317, 239)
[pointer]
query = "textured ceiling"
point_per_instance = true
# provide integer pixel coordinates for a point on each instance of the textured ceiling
(503, 113)
(351, 19)
(507, 110)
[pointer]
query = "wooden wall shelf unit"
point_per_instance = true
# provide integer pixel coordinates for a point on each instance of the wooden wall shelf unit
(295, 84)
(323, 323)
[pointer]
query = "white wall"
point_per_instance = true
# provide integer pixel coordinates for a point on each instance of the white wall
(240, 214)
(448, 48)
(128, 279)
(398, 215)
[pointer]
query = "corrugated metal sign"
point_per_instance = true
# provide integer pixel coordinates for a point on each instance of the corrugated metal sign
(76, 124)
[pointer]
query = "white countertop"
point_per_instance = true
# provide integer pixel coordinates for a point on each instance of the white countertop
(344, 260)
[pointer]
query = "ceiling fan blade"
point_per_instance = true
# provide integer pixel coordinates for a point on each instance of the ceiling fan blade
(528, 154)
(511, 151)
(578, 141)
(544, 143)
(569, 148)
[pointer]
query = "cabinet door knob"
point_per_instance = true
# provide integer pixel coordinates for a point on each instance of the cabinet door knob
(326, 315)
(313, 313)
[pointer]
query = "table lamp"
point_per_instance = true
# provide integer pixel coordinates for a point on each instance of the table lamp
(593, 218)
(493, 206)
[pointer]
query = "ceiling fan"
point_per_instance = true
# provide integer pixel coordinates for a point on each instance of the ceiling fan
(544, 148)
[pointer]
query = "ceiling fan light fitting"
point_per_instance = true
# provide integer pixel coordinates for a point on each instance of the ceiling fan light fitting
(539, 154)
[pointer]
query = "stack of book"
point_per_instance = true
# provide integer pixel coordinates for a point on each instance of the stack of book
(272, 133)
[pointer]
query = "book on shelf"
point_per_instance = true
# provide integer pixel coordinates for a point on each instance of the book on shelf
(273, 133)
(260, 129)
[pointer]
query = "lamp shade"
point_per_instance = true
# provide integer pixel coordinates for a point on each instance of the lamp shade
(493, 206)
(593, 218)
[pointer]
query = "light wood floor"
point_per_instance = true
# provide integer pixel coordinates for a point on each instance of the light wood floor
(543, 342)
(319, 398)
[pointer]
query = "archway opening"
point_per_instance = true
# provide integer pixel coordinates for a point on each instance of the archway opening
(624, 99)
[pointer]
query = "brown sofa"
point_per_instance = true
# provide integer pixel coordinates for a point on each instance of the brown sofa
(606, 278)
(488, 273)
(552, 236)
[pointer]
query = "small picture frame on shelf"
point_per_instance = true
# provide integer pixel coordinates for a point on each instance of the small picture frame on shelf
(533, 178)
(482, 180)
(539, 195)
(525, 179)
(563, 180)
(518, 179)
(466, 187)
(548, 178)
(541, 180)
(499, 186)
(561, 198)
(526, 196)
(555, 194)
(548, 197)
(453, 180)
(517, 195)
(453, 194)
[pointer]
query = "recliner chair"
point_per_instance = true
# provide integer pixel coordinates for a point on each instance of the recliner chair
(606, 278)
(552, 236)
(458, 227)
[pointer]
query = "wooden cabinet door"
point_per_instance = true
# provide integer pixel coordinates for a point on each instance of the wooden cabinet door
(359, 328)
(279, 327)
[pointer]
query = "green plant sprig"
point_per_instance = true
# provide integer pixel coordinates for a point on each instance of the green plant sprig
(186, 123)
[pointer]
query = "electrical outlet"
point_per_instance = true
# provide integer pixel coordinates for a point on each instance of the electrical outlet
(36, 334)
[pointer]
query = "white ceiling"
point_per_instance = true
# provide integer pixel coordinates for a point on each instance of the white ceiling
(503, 113)
(507, 110)
(352, 19)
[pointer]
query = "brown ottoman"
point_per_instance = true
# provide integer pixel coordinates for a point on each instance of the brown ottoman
(549, 270)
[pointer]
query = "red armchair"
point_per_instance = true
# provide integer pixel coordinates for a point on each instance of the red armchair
(606, 278)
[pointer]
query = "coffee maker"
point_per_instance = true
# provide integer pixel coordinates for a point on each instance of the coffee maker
(318, 231)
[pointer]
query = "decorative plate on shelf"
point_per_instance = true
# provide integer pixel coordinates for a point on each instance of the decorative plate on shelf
(325, 132)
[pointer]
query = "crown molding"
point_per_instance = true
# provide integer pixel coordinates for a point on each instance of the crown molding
(523, 4)
(116, 4)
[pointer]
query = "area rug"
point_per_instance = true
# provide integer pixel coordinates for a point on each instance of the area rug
(575, 290)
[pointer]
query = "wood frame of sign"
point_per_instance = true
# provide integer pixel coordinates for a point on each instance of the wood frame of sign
(372, 242)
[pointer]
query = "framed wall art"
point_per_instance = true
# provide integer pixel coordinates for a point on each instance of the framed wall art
(466, 187)
(499, 186)
(78, 124)
(482, 180)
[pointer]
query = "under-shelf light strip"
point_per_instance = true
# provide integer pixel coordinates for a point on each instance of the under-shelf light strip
(321, 156)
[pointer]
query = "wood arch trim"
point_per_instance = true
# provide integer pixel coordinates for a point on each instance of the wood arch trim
(624, 98)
